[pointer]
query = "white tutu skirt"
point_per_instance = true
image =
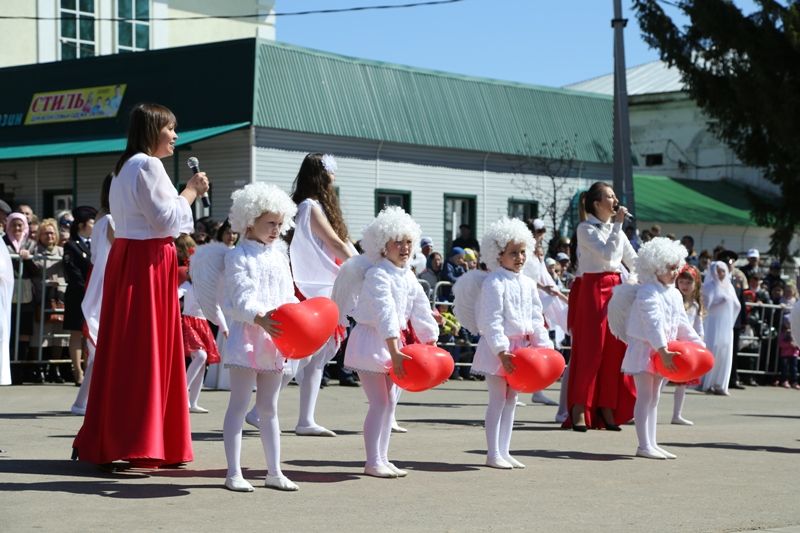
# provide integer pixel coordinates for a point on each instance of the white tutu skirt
(366, 351)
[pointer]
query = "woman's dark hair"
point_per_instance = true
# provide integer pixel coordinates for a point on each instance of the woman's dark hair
(313, 181)
(429, 262)
(105, 190)
(594, 194)
(146, 122)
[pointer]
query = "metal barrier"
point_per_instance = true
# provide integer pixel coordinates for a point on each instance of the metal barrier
(758, 344)
(41, 309)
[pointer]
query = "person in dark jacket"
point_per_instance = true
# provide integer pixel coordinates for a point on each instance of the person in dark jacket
(77, 263)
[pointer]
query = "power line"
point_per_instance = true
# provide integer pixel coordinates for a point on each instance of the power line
(257, 15)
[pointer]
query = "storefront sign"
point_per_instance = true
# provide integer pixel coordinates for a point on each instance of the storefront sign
(75, 104)
(11, 119)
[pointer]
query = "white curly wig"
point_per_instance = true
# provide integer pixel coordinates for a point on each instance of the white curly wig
(391, 223)
(255, 199)
(656, 255)
(497, 237)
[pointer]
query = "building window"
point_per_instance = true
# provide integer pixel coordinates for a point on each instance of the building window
(523, 209)
(385, 197)
(133, 35)
(458, 210)
(653, 160)
(77, 31)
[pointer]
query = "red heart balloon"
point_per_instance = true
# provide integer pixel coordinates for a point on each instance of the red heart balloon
(428, 367)
(305, 326)
(691, 362)
(535, 369)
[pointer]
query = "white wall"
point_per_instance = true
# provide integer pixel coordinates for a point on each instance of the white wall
(17, 37)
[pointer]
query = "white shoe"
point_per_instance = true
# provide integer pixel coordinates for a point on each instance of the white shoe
(561, 417)
(252, 418)
(650, 453)
(197, 409)
(399, 471)
(665, 453)
(380, 471)
(680, 421)
(238, 484)
(313, 431)
(513, 462)
(520, 404)
(499, 462)
(540, 397)
(79, 411)
(280, 482)
(397, 429)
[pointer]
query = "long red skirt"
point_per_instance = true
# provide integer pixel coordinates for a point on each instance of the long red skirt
(595, 378)
(138, 402)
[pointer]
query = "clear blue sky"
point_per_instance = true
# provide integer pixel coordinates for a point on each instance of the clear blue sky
(543, 42)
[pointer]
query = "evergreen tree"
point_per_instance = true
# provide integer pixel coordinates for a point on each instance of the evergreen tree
(744, 73)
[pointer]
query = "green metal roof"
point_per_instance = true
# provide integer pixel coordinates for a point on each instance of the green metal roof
(102, 146)
(662, 199)
(317, 92)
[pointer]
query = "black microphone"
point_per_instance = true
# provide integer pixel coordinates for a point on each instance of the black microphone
(194, 164)
(628, 216)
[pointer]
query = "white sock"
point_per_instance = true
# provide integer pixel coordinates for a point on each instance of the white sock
(309, 380)
(242, 381)
(679, 397)
(83, 392)
(396, 391)
(269, 388)
(652, 421)
(645, 411)
(194, 375)
(507, 422)
(496, 412)
(377, 423)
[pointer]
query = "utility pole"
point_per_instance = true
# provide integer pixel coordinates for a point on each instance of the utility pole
(623, 169)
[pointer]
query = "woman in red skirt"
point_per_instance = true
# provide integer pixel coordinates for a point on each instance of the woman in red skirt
(599, 395)
(137, 408)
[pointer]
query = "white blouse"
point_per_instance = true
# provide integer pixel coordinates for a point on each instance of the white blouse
(93, 297)
(695, 319)
(603, 247)
(257, 280)
(144, 202)
(657, 317)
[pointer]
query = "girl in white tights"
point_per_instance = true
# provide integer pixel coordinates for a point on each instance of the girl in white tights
(257, 281)
(509, 316)
(656, 317)
(390, 298)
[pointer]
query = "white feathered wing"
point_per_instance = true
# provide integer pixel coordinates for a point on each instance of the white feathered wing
(619, 309)
(467, 292)
(348, 284)
(207, 271)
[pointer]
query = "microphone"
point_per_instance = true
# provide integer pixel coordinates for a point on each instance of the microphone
(194, 164)
(628, 216)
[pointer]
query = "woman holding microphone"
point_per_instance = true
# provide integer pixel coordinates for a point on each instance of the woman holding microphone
(137, 409)
(599, 395)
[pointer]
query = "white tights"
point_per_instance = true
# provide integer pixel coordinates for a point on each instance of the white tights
(268, 389)
(679, 397)
(194, 375)
(309, 377)
(645, 412)
(499, 417)
(382, 399)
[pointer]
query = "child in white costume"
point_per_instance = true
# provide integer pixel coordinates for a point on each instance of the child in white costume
(722, 308)
(689, 285)
(257, 280)
(655, 318)
(508, 315)
(389, 299)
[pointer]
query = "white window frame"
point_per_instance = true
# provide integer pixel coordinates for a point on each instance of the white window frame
(77, 41)
(134, 23)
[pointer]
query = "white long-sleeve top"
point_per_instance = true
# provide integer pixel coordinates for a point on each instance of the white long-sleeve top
(390, 297)
(509, 315)
(656, 318)
(257, 280)
(603, 247)
(93, 297)
(695, 319)
(145, 203)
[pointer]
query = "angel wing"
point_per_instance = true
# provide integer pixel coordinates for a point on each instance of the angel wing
(347, 286)
(467, 291)
(207, 269)
(619, 309)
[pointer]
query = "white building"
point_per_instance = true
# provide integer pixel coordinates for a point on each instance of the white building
(670, 139)
(52, 30)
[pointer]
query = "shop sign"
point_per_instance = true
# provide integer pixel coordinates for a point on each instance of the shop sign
(71, 105)
(11, 119)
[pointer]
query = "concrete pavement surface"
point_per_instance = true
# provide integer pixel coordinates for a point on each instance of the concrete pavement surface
(737, 470)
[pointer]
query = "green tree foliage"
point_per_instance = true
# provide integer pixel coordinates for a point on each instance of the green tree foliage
(744, 73)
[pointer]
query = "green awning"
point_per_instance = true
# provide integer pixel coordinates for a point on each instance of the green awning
(664, 200)
(104, 146)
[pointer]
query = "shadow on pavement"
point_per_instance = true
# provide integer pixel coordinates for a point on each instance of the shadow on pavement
(564, 454)
(733, 446)
(423, 466)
